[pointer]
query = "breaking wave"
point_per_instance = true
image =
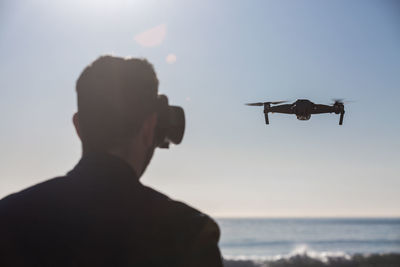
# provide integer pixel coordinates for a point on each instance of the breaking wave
(302, 257)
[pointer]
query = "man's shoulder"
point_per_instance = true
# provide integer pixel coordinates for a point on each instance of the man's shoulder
(182, 217)
(168, 206)
(185, 229)
(36, 194)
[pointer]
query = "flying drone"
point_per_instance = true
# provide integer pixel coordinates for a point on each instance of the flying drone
(303, 108)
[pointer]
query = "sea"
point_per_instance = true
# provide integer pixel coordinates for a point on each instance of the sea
(310, 242)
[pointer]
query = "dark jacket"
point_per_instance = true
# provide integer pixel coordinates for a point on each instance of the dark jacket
(99, 214)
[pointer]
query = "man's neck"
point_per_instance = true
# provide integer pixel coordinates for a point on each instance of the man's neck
(132, 159)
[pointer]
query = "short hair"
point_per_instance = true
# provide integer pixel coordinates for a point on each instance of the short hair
(114, 97)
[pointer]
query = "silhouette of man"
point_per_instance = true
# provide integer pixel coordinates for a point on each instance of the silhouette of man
(99, 214)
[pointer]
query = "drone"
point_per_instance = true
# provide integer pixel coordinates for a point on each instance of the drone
(303, 108)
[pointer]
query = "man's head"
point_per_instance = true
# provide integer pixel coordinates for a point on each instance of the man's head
(116, 108)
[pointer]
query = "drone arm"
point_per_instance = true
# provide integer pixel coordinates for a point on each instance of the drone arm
(286, 108)
(318, 109)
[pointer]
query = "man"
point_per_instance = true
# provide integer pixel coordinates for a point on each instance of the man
(99, 214)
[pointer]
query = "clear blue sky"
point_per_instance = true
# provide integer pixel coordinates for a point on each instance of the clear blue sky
(227, 53)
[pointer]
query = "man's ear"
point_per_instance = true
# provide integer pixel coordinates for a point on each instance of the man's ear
(149, 129)
(75, 120)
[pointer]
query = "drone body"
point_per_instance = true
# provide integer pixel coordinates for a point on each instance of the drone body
(302, 108)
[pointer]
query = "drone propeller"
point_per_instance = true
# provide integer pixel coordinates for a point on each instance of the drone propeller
(340, 101)
(265, 103)
(337, 101)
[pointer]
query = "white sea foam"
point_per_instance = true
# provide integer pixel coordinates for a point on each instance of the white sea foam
(302, 256)
(300, 250)
(323, 256)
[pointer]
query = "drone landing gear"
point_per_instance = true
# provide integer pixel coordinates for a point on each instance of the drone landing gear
(341, 118)
(267, 105)
(266, 117)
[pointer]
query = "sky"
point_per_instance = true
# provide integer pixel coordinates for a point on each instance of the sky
(211, 57)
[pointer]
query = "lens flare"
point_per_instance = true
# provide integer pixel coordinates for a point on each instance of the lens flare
(152, 37)
(170, 59)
